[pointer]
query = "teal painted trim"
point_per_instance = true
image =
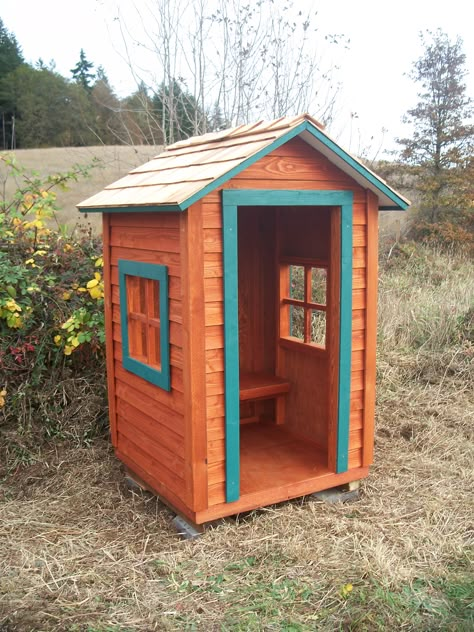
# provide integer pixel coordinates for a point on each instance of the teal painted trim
(231, 199)
(231, 352)
(391, 208)
(159, 273)
(345, 341)
(285, 197)
(400, 203)
(133, 209)
(305, 126)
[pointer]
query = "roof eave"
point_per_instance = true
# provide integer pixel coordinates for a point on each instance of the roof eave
(389, 199)
(309, 132)
(133, 208)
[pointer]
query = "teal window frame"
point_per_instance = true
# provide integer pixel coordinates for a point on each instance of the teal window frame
(155, 272)
(231, 200)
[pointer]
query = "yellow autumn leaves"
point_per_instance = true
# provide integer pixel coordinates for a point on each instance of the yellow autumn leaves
(76, 325)
(95, 286)
(10, 311)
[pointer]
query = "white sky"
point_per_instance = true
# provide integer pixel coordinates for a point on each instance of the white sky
(384, 43)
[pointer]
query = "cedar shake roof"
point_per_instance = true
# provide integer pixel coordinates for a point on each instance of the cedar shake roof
(189, 169)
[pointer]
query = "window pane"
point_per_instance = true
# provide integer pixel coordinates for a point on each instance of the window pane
(154, 350)
(318, 285)
(137, 340)
(154, 294)
(318, 327)
(297, 282)
(142, 295)
(133, 294)
(297, 322)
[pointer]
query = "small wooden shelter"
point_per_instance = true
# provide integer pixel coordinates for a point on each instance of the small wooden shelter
(240, 274)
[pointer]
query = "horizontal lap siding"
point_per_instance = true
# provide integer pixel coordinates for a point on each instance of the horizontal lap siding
(293, 166)
(150, 420)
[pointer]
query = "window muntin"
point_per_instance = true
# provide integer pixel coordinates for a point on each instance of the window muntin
(303, 302)
(144, 320)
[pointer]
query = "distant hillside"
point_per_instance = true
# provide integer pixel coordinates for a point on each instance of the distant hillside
(115, 162)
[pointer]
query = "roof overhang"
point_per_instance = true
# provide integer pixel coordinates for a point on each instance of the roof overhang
(303, 127)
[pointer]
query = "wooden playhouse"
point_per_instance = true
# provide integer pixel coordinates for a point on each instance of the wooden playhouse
(240, 270)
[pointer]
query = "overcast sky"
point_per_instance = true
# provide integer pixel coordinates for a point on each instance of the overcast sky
(384, 41)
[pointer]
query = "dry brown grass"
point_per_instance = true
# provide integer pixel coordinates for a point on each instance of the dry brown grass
(79, 552)
(114, 162)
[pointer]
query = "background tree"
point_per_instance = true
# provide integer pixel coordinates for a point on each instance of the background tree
(106, 108)
(178, 112)
(440, 151)
(10, 52)
(10, 58)
(138, 121)
(48, 110)
(81, 71)
(248, 60)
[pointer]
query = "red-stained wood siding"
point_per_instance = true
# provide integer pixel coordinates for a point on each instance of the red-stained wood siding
(149, 422)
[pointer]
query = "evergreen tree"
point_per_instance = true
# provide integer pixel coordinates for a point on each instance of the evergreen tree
(81, 71)
(178, 113)
(10, 52)
(440, 151)
(217, 121)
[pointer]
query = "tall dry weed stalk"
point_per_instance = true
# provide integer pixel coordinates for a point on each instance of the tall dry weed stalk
(426, 301)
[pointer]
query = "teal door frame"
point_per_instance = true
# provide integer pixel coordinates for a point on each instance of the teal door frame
(231, 200)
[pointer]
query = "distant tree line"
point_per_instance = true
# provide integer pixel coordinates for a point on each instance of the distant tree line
(234, 63)
(41, 108)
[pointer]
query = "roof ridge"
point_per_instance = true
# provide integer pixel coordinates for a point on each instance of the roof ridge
(241, 131)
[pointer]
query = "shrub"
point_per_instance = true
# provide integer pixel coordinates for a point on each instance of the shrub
(51, 312)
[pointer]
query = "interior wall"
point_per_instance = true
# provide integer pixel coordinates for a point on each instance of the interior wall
(257, 289)
(305, 233)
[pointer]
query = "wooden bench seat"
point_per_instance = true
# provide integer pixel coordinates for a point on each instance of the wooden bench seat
(261, 386)
(254, 386)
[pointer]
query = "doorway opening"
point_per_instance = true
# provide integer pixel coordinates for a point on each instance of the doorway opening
(288, 320)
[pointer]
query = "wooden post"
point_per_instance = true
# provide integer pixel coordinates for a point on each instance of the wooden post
(370, 328)
(109, 337)
(194, 365)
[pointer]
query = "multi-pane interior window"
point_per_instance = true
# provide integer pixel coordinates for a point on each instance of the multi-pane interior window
(303, 302)
(144, 320)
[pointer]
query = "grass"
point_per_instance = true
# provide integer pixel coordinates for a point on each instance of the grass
(79, 552)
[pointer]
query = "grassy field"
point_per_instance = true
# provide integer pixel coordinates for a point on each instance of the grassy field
(81, 553)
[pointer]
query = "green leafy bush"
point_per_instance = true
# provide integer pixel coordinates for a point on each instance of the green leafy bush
(51, 305)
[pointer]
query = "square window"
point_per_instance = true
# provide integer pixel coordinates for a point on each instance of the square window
(144, 320)
(303, 302)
